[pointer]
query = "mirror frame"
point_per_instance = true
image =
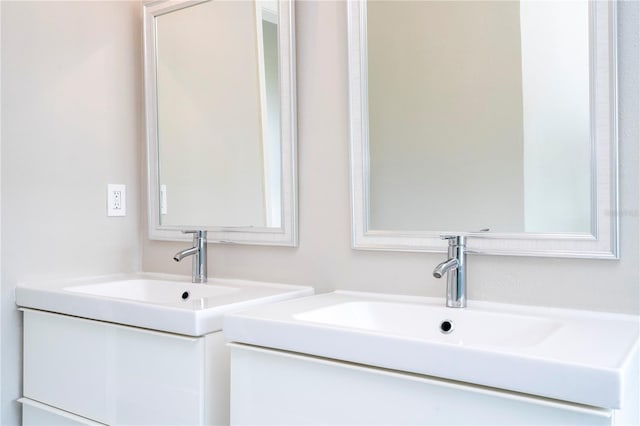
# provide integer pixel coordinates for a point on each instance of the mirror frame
(287, 233)
(601, 243)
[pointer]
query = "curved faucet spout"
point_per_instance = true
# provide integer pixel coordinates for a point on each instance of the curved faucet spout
(444, 267)
(184, 253)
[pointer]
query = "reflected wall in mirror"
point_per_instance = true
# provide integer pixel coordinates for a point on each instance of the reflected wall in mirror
(220, 117)
(484, 114)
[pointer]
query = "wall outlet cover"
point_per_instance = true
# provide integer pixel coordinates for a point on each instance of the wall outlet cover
(116, 200)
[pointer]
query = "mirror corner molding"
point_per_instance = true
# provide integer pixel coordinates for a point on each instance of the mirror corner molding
(600, 242)
(276, 223)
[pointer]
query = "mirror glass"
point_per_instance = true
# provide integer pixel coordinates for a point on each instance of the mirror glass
(480, 114)
(220, 155)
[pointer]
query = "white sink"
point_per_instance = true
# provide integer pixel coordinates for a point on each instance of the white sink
(155, 301)
(578, 356)
(435, 323)
(154, 291)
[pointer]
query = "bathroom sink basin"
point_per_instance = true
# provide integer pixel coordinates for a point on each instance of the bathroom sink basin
(154, 291)
(435, 323)
(155, 301)
(570, 355)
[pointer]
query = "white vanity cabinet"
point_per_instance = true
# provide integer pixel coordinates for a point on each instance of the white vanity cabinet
(349, 358)
(270, 387)
(81, 371)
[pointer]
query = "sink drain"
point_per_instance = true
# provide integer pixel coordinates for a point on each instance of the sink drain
(446, 326)
(185, 295)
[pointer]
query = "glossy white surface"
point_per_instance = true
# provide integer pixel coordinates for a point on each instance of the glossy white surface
(570, 355)
(352, 394)
(153, 291)
(469, 327)
(37, 414)
(120, 375)
(153, 301)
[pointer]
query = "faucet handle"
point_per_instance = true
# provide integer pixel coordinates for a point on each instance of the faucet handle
(459, 239)
(463, 234)
(454, 240)
(200, 233)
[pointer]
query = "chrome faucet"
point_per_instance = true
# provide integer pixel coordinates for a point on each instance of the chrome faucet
(199, 253)
(455, 268)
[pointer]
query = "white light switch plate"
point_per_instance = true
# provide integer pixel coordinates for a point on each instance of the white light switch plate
(163, 199)
(116, 200)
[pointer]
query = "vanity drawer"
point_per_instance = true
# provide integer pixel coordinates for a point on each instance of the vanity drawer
(294, 389)
(116, 374)
(36, 414)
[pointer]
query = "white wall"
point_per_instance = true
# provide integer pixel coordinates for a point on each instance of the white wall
(324, 257)
(72, 116)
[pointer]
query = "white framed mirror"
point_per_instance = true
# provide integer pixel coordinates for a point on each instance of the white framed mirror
(467, 115)
(221, 120)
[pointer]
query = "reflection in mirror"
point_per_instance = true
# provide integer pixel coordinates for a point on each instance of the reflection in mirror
(480, 124)
(220, 119)
(483, 114)
(213, 106)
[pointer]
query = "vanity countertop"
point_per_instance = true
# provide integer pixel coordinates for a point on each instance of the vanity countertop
(160, 302)
(577, 356)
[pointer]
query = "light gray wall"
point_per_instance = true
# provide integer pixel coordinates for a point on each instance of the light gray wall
(71, 124)
(324, 258)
